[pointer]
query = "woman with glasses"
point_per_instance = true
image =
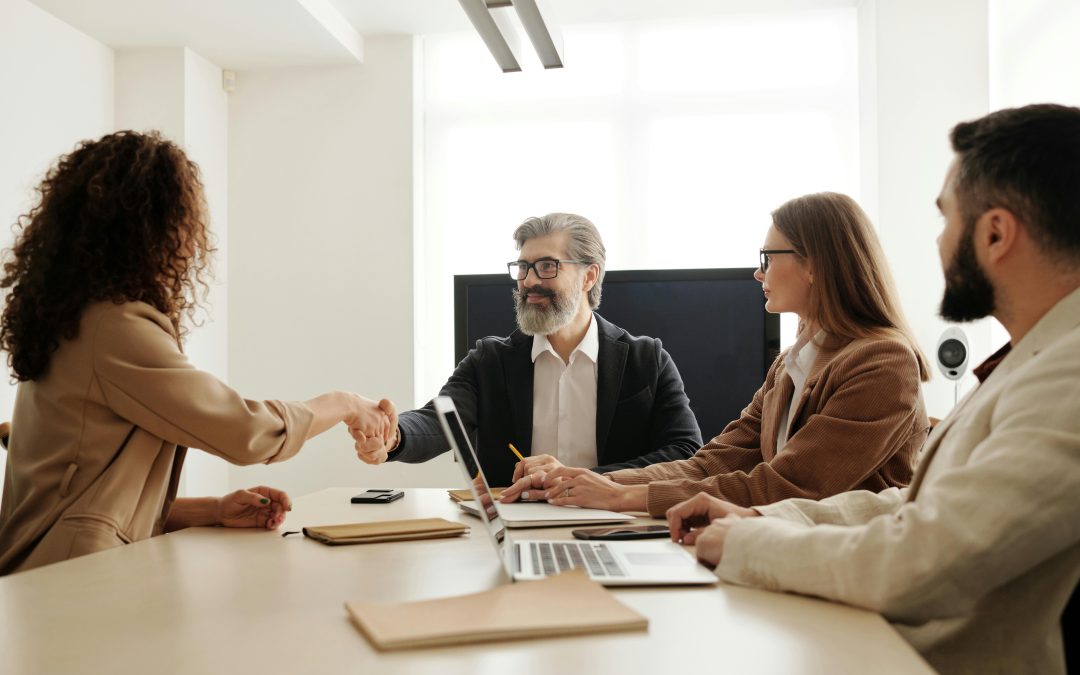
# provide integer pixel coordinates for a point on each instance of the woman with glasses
(840, 410)
(104, 273)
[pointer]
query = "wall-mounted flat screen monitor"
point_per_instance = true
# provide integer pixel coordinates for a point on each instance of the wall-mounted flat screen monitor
(712, 321)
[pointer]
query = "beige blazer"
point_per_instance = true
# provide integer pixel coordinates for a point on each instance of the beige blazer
(858, 425)
(975, 562)
(97, 442)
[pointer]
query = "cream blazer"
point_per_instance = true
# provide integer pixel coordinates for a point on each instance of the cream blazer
(858, 425)
(973, 563)
(97, 443)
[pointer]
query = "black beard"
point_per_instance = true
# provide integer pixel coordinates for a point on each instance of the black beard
(969, 295)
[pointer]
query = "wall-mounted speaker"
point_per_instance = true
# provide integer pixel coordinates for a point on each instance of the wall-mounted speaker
(952, 353)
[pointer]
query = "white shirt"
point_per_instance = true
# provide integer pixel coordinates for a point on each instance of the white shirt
(564, 400)
(797, 363)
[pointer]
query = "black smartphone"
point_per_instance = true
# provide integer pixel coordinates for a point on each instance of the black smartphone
(383, 496)
(623, 532)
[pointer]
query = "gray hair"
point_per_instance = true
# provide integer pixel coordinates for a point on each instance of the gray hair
(585, 242)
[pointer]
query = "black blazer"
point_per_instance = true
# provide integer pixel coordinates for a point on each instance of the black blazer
(643, 415)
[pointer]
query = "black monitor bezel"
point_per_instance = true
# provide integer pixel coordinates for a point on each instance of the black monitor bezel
(462, 283)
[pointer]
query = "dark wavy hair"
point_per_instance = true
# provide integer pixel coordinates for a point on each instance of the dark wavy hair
(119, 219)
(1026, 160)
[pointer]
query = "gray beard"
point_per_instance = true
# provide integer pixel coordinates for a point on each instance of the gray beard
(538, 320)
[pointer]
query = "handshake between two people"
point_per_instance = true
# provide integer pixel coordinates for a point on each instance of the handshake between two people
(373, 425)
(374, 429)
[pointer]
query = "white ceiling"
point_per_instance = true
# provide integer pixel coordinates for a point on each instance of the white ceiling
(420, 17)
(235, 34)
(248, 34)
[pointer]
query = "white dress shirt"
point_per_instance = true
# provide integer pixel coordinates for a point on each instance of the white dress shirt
(797, 363)
(564, 400)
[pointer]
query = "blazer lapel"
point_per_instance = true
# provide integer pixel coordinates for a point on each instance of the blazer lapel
(611, 364)
(774, 407)
(929, 449)
(937, 434)
(518, 369)
(1064, 316)
(826, 353)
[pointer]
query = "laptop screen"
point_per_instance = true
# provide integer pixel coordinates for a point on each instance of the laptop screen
(455, 434)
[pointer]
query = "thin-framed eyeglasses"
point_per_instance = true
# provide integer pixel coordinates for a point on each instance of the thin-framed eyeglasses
(763, 256)
(545, 268)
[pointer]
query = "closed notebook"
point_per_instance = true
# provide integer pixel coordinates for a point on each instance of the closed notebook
(567, 604)
(387, 530)
(466, 494)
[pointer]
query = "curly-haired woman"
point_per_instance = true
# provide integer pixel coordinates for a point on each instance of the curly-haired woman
(105, 271)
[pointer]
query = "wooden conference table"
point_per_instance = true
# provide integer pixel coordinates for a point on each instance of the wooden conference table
(216, 600)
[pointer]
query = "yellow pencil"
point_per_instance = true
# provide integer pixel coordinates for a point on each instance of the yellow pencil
(515, 451)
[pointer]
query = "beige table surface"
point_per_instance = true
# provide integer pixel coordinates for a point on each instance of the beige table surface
(245, 602)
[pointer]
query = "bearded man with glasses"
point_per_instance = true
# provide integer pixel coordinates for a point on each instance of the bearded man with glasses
(568, 388)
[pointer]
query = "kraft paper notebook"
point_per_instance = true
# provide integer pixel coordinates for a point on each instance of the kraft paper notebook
(387, 530)
(465, 495)
(567, 604)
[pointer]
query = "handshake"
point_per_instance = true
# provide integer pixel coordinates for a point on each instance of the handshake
(374, 428)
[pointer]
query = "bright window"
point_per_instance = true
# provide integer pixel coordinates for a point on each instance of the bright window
(676, 138)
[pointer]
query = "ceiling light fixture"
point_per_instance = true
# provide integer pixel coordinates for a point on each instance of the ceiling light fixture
(491, 22)
(546, 41)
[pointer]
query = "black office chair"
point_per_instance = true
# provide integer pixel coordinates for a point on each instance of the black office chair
(1070, 625)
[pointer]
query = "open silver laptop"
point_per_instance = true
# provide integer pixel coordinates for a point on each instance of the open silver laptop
(614, 563)
(542, 514)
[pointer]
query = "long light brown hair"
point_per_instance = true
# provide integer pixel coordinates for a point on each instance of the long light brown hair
(852, 294)
(120, 219)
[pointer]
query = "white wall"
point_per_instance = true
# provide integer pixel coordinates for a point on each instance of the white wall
(178, 93)
(924, 67)
(1034, 52)
(321, 251)
(56, 88)
(206, 141)
(1034, 58)
(150, 91)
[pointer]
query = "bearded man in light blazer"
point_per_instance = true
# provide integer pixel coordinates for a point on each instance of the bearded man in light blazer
(975, 562)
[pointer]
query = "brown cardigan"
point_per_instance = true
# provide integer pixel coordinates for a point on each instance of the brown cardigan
(97, 442)
(858, 426)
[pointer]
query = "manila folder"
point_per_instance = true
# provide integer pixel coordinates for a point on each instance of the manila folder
(567, 604)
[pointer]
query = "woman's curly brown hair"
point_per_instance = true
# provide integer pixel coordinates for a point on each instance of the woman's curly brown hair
(120, 219)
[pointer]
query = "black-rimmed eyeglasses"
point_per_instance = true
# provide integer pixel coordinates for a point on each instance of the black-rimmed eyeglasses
(763, 256)
(547, 268)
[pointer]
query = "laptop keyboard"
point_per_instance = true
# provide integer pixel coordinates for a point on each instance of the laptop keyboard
(553, 557)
